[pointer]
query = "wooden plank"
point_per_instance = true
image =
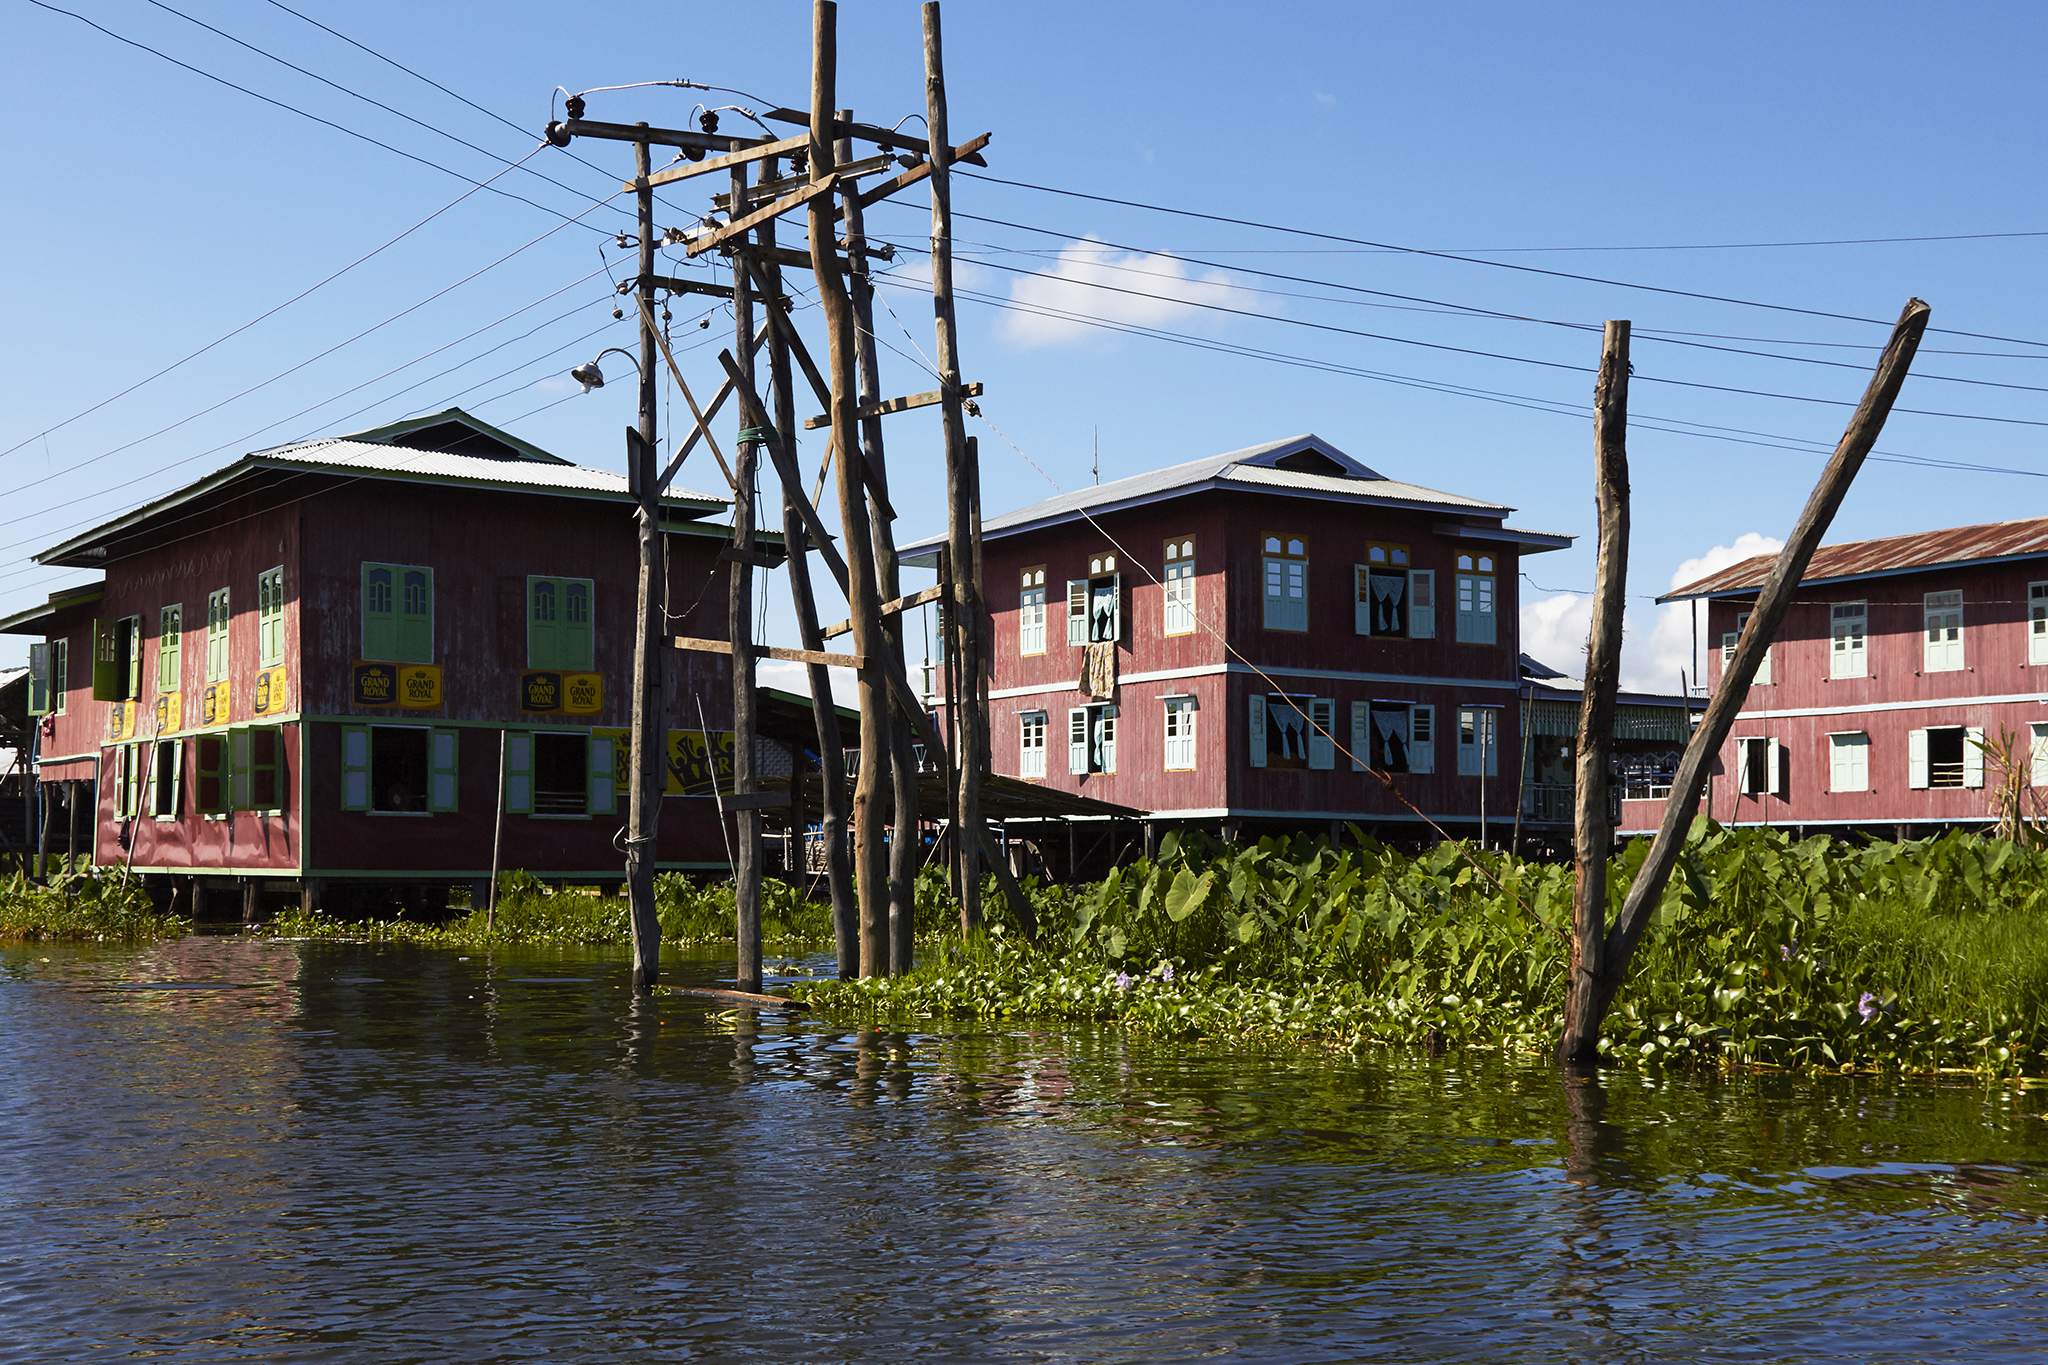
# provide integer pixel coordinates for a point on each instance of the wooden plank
(740, 227)
(753, 998)
(679, 286)
(759, 152)
(893, 405)
(755, 801)
(675, 462)
(788, 258)
(760, 559)
(699, 645)
(966, 151)
(868, 132)
(675, 371)
(763, 190)
(894, 606)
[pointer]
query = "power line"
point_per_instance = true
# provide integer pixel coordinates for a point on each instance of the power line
(1476, 260)
(1485, 354)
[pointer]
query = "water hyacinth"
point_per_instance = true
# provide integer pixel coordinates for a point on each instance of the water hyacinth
(1743, 963)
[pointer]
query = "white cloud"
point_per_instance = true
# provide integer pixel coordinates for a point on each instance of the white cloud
(1554, 628)
(1162, 292)
(1325, 100)
(794, 677)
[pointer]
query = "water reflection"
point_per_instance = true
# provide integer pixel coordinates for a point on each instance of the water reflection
(226, 1147)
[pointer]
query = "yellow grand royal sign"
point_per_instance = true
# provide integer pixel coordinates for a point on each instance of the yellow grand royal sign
(698, 764)
(216, 703)
(419, 687)
(121, 721)
(272, 698)
(169, 713)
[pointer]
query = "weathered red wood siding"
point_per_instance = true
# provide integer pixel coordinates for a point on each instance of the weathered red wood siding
(1997, 690)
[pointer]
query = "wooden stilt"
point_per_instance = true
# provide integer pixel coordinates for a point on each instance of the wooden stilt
(740, 631)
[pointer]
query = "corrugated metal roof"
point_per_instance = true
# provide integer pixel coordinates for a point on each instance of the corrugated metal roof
(371, 459)
(1920, 550)
(1254, 467)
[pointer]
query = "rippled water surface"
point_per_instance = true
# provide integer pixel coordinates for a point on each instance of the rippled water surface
(227, 1149)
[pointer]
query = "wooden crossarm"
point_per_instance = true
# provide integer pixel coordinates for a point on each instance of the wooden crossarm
(891, 405)
(740, 227)
(720, 163)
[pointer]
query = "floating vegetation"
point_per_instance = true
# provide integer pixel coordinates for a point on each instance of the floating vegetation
(90, 905)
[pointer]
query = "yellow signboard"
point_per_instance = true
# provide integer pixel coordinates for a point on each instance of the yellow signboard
(419, 687)
(121, 721)
(698, 764)
(271, 695)
(583, 693)
(622, 757)
(169, 713)
(215, 706)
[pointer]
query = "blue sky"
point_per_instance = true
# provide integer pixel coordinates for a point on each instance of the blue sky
(155, 211)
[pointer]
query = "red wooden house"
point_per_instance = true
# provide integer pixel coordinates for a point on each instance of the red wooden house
(317, 665)
(1899, 660)
(1232, 641)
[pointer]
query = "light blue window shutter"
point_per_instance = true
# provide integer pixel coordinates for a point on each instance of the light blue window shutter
(1361, 600)
(579, 644)
(380, 612)
(442, 771)
(603, 792)
(1255, 729)
(355, 767)
(1106, 717)
(1361, 735)
(1422, 739)
(416, 616)
(177, 775)
(1077, 740)
(543, 624)
(519, 772)
(1077, 611)
(241, 768)
(1116, 589)
(1322, 714)
(1422, 604)
(1973, 757)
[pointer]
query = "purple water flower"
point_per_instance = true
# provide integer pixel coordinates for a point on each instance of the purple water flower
(1165, 971)
(1867, 1006)
(1785, 951)
(1123, 981)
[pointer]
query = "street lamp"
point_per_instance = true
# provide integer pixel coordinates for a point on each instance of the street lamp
(590, 376)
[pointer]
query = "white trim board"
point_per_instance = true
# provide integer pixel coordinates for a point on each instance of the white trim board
(1791, 713)
(1246, 670)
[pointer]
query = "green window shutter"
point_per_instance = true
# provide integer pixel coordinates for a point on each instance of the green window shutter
(603, 793)
(380, 611)
(355, 767)
(131, 662)
(124, 781)
(543, 623)
(270, 617)
(578, 639)
(60, 675)
(177, 775)
(106, 663)
(416, 615)
(445, 748)
(519, 772)
(169, 647)
(39, 679)
(241, 768)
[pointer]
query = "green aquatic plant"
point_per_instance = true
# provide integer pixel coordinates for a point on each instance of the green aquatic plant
(91, 904)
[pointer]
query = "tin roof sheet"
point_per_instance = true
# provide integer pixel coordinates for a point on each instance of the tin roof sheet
(1920, 550)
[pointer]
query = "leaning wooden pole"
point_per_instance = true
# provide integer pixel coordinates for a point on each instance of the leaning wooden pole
(864, 607)
(967, 596)
(1592, 833)
(644, 787)
(905, 852)
(1865, 425)
(746, 869)
(833, 809)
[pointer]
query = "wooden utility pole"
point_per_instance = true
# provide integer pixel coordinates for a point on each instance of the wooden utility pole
(967, 612)
(871, 873)
(904, 850)
(644, 790)
(1592, 833)
(833, 812)
(1581, 1040)
(740, 631)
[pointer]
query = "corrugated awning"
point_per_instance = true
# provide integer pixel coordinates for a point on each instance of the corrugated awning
(1560, 720)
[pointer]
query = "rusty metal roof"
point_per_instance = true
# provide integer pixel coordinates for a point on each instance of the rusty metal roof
(1917, 552)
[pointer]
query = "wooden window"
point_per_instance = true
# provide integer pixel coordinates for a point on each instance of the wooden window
(127, 781)
(560, 632)
(398, 769)
(1731, 639)
(264, 788)
(116, 659)
(1091, 739)
(1760, 766)
(270, 617)
(1095, 604)
(166, 779)
(39, 678)
(170, 641)
(1397, 736)
(1031, 743)
(1382, 589)
(1476, 587)
(1322, 733)
(213, 794)
(2037, 623)
(60, 676)
(1180, 733)
(217, 618)
(1945, 756)
(1479, 741)
(1849, 761)
(131, 658)
(398, 613)
(1849, 628)
(1289, 731)
(1422, 739)
(2038, 753)
(1031, 611)
(1178, 598)
(562, 773)
(1943, 616)
(519, 772)
(1286, 583)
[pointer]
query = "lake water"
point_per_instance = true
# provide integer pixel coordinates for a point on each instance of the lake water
(232, 1149)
